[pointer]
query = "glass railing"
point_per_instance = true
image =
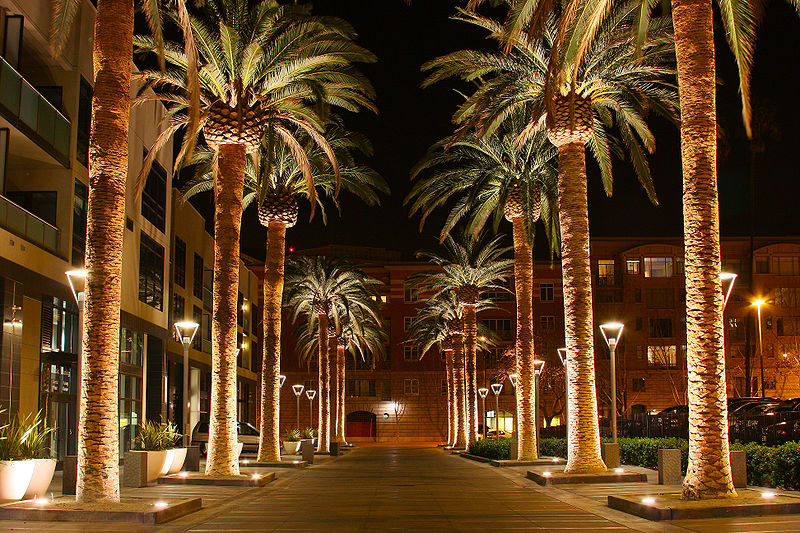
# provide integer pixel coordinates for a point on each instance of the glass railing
(28, 226)
(24, 106)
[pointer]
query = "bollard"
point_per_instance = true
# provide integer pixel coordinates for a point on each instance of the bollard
(192, 461)
(334, 449)
(514, 451)
(739, 468)
(669, 466)
(610, 453)
(69, 474)
(307, 450)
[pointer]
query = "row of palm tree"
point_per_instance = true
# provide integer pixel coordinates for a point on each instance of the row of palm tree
(249, 84)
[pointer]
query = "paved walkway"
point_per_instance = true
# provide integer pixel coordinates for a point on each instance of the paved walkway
(396, 489)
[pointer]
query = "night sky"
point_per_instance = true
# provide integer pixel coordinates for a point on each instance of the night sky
(411, 119)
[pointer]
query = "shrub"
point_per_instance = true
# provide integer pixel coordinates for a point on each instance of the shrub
(492, 449)
(293, 435)
(553, 447)
(157, 436)
(759, 462)
(786, 466)
(23, 438)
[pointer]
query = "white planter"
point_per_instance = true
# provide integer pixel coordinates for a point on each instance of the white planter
(173, 462)
(15, 477)
(43, 471)
(291, 448)
(239, 448)
(155, 464)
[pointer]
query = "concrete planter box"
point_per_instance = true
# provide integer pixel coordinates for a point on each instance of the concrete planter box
(15, 478)
(43, 471)
(291, 448)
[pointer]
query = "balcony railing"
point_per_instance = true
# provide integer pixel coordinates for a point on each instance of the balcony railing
(606, 280)
(28, 226)
(29, 111)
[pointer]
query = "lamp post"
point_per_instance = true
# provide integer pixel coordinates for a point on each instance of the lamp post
(186, 332)
(538, 368)
(77, 284)
(310, 393)
(497, 388)
(728, 280)
(758, 303)
(482, 392)
(562, 355)
(298, 390)
(612, 332)
(282, 379)
(513, 379)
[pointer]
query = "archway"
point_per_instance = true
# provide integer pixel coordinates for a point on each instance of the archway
(360, 425)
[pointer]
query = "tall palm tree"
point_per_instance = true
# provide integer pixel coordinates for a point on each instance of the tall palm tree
(98, 426)
(490, 177)
(325, 291)
(266, 70)
(615, 87)
(273, 182)
(469, 267)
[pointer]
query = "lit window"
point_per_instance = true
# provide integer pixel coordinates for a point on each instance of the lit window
(632, 266)
(657, 267)
(605, 272)
(666, 356)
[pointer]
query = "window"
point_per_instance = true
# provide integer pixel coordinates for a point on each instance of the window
(662, 355)
(84, 122)
(501, 295)
(154, 196)
(661, 327)
(732, 265)
(657, 267)
(180, 262)
(151, 272)
(786, 297)
(638, 384)
(79, 202)
(246, 315)
(500, 326)
(410, 293)
(131, 346)
(60, 326)
(605, 272)
(762, 265)
(178, 308)
(637, 295)
(660, 298)
(444, 386)
(632, 267)
(638, 323)
(130, 409)
(410, 353)
(43, 204)
(548, 323)
(197, 318)
(361, 387)
(546, 292)
(239, 309)
(679, 267)
(197, 277)
(787, 325)
(786, 265)
(407, 321)
(386, 390)
(411, 386)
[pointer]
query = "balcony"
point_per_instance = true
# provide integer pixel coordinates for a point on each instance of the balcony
(606, 280)
(28, 226)
(30, 112)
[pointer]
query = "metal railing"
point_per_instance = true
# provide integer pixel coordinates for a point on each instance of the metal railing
(27, 109)
(28, 226)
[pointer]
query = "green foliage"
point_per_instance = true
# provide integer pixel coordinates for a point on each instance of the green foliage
(308, 433)
(644, 451)
(23, 438)
(155, 436)
(293, 435)
(492, 448)
(786, 466)
(553, 447)
(759, 462)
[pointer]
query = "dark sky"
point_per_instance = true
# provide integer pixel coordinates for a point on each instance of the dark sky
(410, 119)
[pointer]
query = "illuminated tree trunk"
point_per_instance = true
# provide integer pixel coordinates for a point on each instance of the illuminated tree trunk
(98, 423)
(269, 440)
(222, 459)
(523, 283)
(460, 398)
(324, 431)
(709, 472)
(340, 384)
(470, 358)
(570, 130)
(451, 408)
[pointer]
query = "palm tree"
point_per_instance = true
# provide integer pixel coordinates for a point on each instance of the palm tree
(490, 177)
(615, 86)
(273, 182)
(267, 70)
(468, 268)
(326, 291)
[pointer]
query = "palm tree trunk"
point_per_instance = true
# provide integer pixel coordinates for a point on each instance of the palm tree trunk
(451, 408)
(222, 458)
(460, 397)
(340, 371)
(470, 340)
(269, 440)
(523, 283)
(583, 436)
(709, 472)
(98, 426)
(324, 431)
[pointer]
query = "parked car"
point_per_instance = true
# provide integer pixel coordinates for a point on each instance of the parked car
(248, 436)
(675, 409)
(782, 432)
(492, 433)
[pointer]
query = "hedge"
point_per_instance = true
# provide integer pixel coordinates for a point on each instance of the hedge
(766, 465)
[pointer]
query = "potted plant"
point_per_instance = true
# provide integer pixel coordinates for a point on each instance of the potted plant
(176, 454)
(32, 447)
(291, 442)
(22, 474)
(160, 441)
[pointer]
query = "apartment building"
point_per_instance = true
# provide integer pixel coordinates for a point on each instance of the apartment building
(637, 281)
(45, 105)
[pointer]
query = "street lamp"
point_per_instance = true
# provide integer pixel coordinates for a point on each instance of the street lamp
(728, 280)
(282, 379)
(497, 388)
(310, 393)
(758, 303)
(298, 390)
(562, 355)
(77, 284)
(186, 332)
(538, 368)
(612, 332)
(482, 392)
(514, 379)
